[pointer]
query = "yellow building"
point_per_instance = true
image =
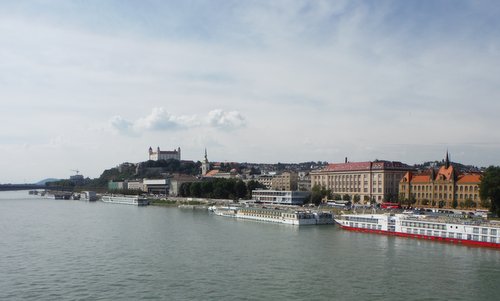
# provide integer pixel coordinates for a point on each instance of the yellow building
(285, 181)
(441, 188)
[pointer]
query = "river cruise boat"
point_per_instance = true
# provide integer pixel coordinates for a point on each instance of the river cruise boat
(125, 199)
(282, 216)
(466, 231)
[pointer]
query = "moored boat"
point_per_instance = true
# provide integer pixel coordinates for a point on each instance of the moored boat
(282, 216)
(125, 199)
(453, 229)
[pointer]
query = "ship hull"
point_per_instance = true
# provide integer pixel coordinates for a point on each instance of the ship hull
(425, 237)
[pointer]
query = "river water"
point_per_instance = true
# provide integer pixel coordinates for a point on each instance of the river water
(75, 250)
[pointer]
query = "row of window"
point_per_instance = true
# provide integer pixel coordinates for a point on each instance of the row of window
(361, 219)
(484, 231)
(365, 226)
(419, 195)
(423, 225)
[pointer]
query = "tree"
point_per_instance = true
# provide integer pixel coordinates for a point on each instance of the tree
(319, 193)
(195, 189)
(356, 198)
(454, 204)
(469, 203)
(489, 188)
(240, 189)
(346, 197)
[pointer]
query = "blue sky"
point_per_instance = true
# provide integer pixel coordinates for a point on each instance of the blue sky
(90, 84)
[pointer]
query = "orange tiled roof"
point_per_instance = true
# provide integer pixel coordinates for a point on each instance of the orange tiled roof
(469, 178)
(421, 179)
(446, 172)
(211, 173)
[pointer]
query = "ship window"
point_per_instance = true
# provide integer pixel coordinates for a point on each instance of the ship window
(493, 231)
(408, 230)
(429, 232)
(415, 231)
(443, 234)
(475, 230)
(493, 239)
(459, 235)
(379, 227)
(422, 231)
(484, 231)
(484, 238)
(451, 235)
(436, 233)
(475, 237)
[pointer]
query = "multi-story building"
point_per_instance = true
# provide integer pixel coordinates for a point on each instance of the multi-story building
(164, 155)
(304, 181)
(134, 185)
(266, 180)
(445, 188)
(280, 197)
(285, 181)
(156, 186)
(369, 181)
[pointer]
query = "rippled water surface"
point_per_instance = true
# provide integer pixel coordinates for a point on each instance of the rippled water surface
(73, 250)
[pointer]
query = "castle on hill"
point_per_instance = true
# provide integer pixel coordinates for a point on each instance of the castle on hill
(164, 155)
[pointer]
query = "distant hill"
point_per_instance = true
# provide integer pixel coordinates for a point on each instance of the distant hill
(42, 182)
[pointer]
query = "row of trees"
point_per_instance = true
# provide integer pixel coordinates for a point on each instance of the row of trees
(220, 189)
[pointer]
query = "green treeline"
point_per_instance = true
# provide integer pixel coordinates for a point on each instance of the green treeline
(220, 189)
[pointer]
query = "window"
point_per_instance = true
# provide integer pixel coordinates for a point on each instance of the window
(493, 231)
(475, 230)
(484, 231)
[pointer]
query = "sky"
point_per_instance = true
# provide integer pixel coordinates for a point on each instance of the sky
(87, 85)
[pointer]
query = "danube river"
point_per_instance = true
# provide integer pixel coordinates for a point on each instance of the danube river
(75, 250)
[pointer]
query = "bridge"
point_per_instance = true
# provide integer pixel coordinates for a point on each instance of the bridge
(7, 187)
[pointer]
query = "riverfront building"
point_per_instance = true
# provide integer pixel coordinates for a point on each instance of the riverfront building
(285, 181)
(441, 188)
(280, 197)
(370, 181)
(164, 155)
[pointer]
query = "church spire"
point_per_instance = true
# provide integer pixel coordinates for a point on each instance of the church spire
(447, 160)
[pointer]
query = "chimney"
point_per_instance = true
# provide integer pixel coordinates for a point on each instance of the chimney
(345, 159)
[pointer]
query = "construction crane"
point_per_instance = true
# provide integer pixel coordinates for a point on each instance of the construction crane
(75, 170)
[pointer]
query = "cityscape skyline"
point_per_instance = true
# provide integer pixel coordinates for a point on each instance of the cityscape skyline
(88, 85)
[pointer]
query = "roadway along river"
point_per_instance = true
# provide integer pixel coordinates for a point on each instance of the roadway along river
(74, 250)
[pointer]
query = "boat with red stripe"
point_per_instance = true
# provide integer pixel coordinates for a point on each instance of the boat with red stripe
(445, 228)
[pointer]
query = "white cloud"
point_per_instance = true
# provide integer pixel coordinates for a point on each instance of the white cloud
(225, 120)
(121, 125)
(161, 120)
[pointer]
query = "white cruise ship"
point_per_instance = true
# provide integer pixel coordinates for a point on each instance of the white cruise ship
(287, 216)
(125, 199)
(467, 231)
